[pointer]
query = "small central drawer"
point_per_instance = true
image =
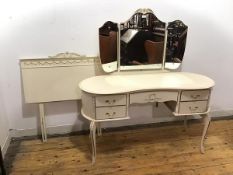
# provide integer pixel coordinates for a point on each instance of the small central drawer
(157, 96)
(110, 100)
(110, 112)
(193, 107)
(195, 95)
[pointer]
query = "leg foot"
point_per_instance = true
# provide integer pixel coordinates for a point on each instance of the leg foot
(93, 140)
(206, 120)
(99, 130)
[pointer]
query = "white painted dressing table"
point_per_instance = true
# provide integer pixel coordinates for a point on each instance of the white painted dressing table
(141, 43)
(107, 97)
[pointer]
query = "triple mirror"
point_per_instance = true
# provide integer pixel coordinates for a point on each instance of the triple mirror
(142, 42)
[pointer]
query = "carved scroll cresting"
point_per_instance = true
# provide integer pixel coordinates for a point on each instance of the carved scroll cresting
(67, 55)
(144, 11)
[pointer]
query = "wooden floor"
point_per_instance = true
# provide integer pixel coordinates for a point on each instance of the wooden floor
(166, 150)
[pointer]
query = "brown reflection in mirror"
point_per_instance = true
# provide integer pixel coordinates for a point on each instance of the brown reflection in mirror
(176, 41)
(108, 42)
(142, 39)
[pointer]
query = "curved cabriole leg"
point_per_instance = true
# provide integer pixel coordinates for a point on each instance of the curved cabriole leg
(93, 140)
(99, 130)
(206, 120)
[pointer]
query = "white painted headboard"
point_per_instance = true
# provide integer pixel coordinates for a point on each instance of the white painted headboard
(55, 78)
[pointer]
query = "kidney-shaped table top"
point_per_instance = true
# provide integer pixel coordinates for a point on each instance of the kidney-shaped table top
(115, 84)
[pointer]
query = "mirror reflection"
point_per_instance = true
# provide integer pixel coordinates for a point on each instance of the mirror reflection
(142, 39)
(108, 34)
(176, 42)
(144, 42)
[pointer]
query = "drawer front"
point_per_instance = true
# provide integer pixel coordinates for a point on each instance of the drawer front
(193, 107)
(195, 95)
(110, 112)
(110, 100)
(157, 96)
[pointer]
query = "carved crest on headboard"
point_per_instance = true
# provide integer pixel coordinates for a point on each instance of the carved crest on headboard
(67, 55)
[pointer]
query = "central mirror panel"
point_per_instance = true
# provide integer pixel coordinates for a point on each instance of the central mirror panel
(142, 40)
